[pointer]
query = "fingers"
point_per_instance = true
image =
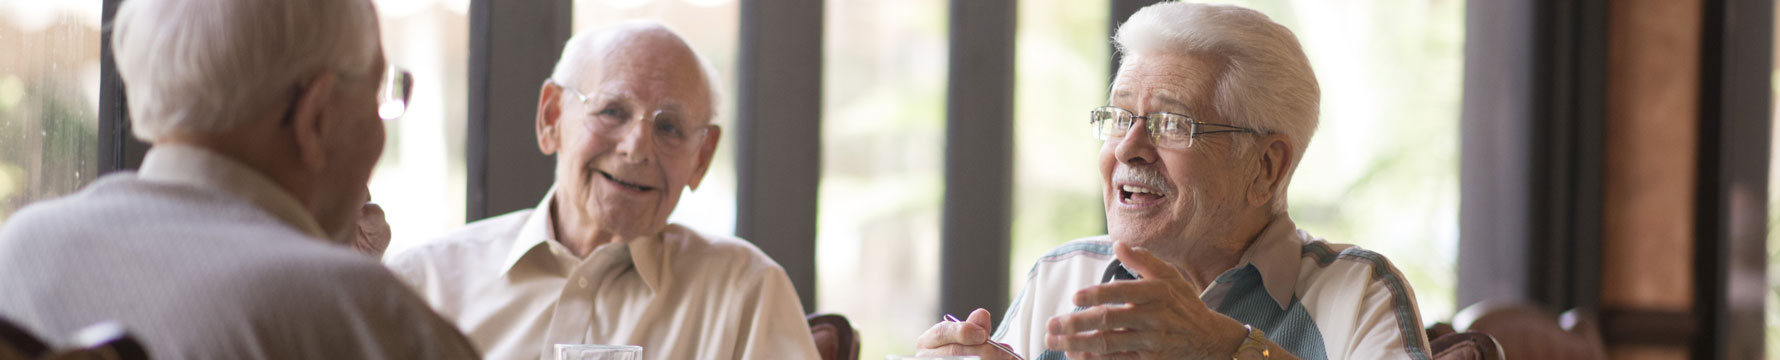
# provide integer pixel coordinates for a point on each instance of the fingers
(952, 333)
(1148, 266)
(983, 351)
(1121, 292)
(1103, 318)
(1093, 356)
(1103, 343)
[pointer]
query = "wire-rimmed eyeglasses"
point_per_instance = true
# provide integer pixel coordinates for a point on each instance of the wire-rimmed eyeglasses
(1166, 129)
(393, 91)
(673, 131)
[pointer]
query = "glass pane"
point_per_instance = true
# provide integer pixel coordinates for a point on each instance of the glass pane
(1382, 171)
(1062, 71)
(49, 99)
(420, 179)
(883, 130)
(711, 27)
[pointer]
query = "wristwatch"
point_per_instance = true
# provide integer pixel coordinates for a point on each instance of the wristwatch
(1255, 341)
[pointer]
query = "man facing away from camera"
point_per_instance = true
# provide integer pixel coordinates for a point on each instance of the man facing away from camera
(232, 240)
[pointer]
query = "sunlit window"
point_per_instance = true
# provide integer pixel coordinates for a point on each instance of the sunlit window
(1062, 69)
(883, 133)
(420, 179)
(1382, 171)
(49, 96)
(710, 26)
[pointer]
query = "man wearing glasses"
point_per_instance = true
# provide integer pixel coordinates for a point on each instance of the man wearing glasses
(628, 113)
(1210, 112)
(231, 241)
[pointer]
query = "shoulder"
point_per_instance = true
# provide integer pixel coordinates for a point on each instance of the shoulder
(1339, 271)
(483, 238)
(1345, 258)
(300, 294)
(1094, 246)
(725, 252)
(312, 270)
(1094, 249)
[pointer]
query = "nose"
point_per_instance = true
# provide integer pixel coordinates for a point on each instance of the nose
(635, 146)
(1136, 147)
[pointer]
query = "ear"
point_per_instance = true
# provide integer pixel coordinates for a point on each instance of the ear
(549, 122)
(705, 151)
(1274, 163)
(309, 120)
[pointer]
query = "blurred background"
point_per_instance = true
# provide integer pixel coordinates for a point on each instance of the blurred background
(1383, 172)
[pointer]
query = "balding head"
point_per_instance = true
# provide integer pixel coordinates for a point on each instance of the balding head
(628, 115)
(207, 66)
(589, 50)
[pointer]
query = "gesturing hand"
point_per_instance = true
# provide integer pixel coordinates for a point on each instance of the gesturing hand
(1158, 316)
(372, 234)
(968, 337)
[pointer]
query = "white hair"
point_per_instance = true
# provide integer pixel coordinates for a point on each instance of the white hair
(584, 49)
(1267, 83)
(206, 66)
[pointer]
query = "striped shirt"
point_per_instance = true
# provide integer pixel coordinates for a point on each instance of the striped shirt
(1315, 299)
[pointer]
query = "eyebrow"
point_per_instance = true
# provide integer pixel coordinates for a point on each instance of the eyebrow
(1165, 98)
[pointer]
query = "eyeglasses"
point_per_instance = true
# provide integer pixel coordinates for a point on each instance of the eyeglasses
(670, 129)
(1166, 129)
(392, 93)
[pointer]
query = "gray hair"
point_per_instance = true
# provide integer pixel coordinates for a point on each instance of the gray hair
(582, 51)
(1267, 83)
(206, 66)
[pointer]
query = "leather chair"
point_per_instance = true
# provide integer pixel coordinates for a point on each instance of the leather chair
(835, 337)
(1529, 331)
(103, 341)
(18, 344)
(1465, 346)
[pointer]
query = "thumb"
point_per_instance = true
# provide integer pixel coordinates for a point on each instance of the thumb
(980, 318)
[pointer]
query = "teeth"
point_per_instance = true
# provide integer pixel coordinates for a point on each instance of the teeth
(1139, 190)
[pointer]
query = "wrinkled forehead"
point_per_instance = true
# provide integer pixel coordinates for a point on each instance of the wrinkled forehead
(1166, 82)
(649, 67)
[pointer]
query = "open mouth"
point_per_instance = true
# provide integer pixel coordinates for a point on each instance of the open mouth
(625, 184)
(1139, 195)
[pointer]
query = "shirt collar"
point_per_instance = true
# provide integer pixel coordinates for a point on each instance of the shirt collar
(1275, 254)
(537, 237)
(200, 167)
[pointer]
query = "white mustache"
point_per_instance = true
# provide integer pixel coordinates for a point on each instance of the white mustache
(1146, 176)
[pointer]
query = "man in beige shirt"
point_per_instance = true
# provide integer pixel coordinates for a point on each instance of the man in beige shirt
(264, 121)
(628, 113)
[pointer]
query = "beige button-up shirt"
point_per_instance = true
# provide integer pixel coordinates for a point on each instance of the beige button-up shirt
(517, 291)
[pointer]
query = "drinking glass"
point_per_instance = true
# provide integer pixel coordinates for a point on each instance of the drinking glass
(598, 352)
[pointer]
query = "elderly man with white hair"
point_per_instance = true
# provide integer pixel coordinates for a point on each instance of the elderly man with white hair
(628, 113)
(231, 241)
(1209, 114)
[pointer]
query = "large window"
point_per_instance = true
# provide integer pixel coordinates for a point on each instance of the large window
(1061, 70)
(883, 130)
(49, 96)
(420, 179)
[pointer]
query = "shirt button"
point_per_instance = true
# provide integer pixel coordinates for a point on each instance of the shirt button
(583, 283)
